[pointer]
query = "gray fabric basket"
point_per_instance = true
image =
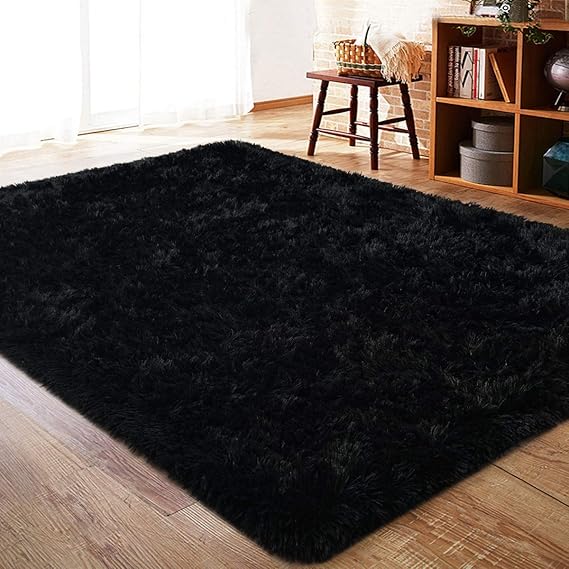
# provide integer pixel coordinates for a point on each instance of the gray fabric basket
(493, 133)
(485, 166)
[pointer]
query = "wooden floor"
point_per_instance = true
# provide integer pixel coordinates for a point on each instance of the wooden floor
(71, 497)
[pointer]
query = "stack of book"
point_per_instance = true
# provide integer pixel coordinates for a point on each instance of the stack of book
(470, 73)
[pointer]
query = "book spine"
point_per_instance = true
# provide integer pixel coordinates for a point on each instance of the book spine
(457, 54)
(475, 53)
(466, 72)
(482, 64)
(450, 72)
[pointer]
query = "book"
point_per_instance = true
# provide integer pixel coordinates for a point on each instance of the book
(450, 71)
(466, 72)
(475, 51)
(456, 71)
(504, 66)
(488, 88)
(470, 73)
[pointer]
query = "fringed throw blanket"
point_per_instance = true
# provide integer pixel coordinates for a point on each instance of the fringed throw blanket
(400, 57)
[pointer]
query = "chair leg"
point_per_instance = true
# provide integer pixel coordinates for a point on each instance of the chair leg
(373, 128)
(317, 117)
(410, 120)
(353, 113)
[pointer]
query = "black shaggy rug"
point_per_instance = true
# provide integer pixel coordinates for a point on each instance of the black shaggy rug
(310, 352)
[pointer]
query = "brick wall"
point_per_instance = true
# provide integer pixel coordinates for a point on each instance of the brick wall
(339, 19)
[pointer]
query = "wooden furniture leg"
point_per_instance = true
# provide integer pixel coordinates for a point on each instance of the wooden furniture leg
(373, 128)
(375, 125)
(410, 120)
(353, 113)
(317, 117)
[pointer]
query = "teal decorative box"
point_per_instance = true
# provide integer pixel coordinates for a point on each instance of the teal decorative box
(556, 168)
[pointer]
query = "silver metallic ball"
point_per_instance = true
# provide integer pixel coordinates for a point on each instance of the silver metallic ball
(557, 70)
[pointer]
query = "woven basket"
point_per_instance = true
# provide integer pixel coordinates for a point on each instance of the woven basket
(360, 60)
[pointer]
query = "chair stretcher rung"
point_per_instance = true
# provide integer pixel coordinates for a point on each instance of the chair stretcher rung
(393, 129)
(336, 111)
(343, 134)
(387, 121)
(392, 121)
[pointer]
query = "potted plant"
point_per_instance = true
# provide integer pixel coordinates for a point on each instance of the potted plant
(510, 13)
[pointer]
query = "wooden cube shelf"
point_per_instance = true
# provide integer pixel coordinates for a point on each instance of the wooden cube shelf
(537, 125)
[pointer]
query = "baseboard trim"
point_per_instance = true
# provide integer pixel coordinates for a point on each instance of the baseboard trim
(280, 103)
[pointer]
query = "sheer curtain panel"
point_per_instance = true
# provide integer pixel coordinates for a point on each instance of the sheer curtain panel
(40, 71)
(78, 65)
(195, 60)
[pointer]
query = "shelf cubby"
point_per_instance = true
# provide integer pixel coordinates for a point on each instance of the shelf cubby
(537, 124)
(532, 89)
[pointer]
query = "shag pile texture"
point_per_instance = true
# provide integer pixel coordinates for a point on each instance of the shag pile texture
(309, 352)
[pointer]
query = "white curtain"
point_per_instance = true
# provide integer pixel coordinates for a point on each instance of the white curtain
(195, 60)
(40, 71)
(192, 58)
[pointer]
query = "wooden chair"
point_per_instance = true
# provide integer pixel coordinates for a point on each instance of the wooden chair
(375, 125)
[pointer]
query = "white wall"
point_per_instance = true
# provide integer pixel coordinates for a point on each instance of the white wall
(282, 35)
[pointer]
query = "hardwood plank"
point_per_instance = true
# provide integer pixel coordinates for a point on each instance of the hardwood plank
(41, 552)
(30, 462)
(93, 445)
(29, 459)
(63, 513)
(487, 520)
(230, 547)
(90, 512)
(543, 462)
(494, 520)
